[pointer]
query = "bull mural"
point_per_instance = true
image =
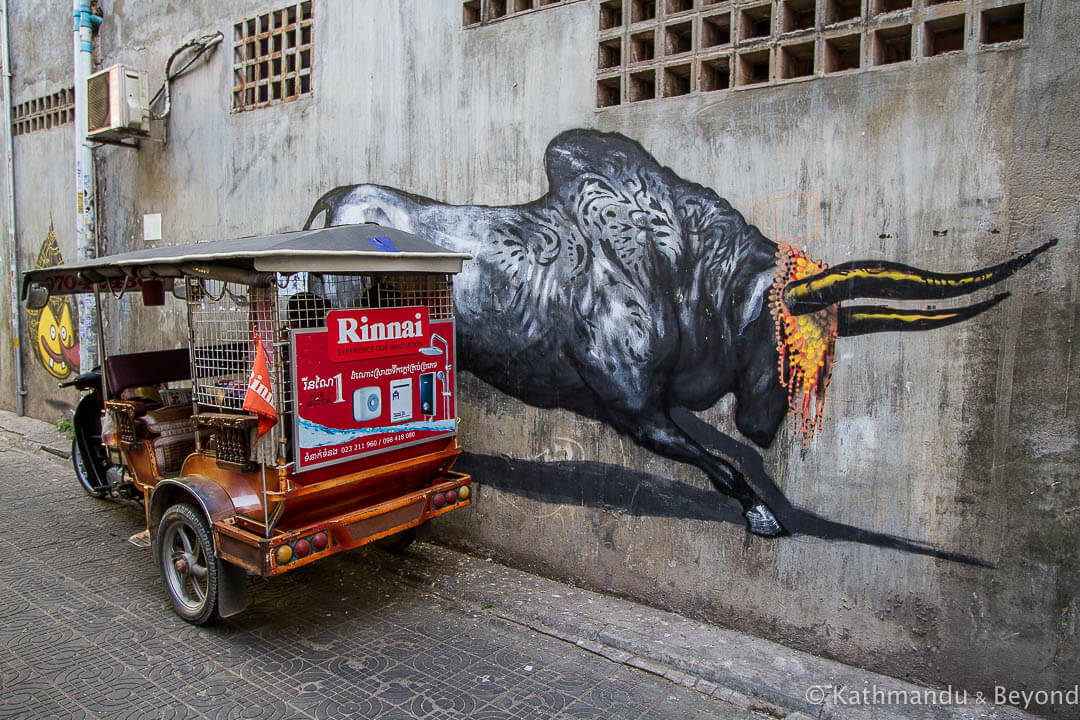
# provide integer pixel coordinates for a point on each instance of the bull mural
(627, 294)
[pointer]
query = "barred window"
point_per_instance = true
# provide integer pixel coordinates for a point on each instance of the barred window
(272, 56)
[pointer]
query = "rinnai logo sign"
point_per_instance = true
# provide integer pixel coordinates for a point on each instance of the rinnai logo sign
(360, 334)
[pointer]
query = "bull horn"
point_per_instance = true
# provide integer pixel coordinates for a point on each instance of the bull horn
(895, 281)
(862, 319)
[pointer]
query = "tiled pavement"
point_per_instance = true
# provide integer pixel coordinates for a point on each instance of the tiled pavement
(86, 631)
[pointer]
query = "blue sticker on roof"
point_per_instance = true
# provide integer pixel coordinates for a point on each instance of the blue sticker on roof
(383, 244)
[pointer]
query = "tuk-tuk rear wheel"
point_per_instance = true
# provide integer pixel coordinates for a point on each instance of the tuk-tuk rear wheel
(188, 567)
(398, 542)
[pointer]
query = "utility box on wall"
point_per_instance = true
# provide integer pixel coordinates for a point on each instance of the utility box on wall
(117, 103)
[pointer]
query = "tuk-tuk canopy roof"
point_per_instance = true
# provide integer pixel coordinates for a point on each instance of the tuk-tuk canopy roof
(366, 248)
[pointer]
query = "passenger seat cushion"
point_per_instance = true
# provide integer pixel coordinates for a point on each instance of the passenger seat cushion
(169, 452)
(147, 368)
(168, 421)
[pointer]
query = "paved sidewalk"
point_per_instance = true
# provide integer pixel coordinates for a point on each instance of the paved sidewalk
(746, 671)
(32, 434)
(755, 675)
(87, 632)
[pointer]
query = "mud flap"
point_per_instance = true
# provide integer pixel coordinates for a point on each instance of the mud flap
(232, 589)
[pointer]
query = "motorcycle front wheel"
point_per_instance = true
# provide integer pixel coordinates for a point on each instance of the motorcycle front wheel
(82, 472)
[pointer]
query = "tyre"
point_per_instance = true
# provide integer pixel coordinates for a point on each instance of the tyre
(188, 567)
(398, 542)
(82, 471)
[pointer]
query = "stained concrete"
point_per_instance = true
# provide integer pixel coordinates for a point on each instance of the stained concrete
(963, 439)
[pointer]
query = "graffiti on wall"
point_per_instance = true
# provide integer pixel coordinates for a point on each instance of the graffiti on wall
(52, 328)
(632, 296)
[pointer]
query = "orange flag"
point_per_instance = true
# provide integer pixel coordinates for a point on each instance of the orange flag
(259, 398)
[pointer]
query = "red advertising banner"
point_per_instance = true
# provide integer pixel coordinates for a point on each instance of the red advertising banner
(350, 407)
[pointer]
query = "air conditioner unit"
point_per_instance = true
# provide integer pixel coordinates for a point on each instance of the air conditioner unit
(117, 104)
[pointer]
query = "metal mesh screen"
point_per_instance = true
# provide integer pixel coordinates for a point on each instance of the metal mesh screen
(97, 102)
(223, 317)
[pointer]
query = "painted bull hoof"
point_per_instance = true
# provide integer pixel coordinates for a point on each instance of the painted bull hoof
(761, 521)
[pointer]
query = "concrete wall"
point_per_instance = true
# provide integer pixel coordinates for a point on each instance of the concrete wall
(41, 50)
(935, 511)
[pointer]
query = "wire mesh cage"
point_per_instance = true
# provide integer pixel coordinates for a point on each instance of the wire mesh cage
(224, 316)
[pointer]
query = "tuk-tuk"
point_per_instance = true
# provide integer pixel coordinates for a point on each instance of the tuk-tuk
(312, 411)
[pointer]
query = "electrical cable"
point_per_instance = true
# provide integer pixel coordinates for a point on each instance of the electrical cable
(207, 293)
(199, 47)
(123, 289)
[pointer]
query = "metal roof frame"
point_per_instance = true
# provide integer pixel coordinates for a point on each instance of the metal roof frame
(361, 248)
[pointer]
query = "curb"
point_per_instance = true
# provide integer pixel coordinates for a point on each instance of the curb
(748, 672)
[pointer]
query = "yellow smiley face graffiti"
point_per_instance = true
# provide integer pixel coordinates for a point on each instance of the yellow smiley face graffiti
(55, 343)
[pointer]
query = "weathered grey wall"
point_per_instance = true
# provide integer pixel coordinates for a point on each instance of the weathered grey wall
(963, 438)
(41, 64)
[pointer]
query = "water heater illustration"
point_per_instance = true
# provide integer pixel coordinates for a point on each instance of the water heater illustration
(366, 403)
(427, 394)
(401, 400)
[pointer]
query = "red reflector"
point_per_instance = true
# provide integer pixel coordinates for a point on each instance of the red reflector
(451, 496)
(439, 500)
(319, 542)
(302, 548)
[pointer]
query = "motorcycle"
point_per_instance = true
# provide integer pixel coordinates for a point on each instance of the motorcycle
(95, 471)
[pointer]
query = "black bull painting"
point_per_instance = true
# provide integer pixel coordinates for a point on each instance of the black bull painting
(629, 295)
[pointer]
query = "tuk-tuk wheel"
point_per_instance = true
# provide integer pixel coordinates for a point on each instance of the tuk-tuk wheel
(398, 542)
(188, 567)
(82, 471)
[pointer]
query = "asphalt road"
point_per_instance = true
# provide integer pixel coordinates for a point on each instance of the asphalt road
(86, 631)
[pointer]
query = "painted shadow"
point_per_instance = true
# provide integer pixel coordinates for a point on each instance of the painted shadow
(612, 487)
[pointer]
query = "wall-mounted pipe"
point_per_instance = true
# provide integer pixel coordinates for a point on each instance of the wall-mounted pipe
(85, 189)
(13, 249)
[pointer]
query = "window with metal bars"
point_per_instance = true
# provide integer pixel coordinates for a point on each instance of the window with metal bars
(272, 57)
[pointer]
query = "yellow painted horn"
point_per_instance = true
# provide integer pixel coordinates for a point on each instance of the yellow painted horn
(893, 280)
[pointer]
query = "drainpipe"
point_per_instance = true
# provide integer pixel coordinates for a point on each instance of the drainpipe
(13, 250)
(85, 191)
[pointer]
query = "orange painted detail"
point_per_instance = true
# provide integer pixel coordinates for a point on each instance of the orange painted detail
(141, 465)
(310, 522)
(804, 344)
(245, 489)
(249, 548)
